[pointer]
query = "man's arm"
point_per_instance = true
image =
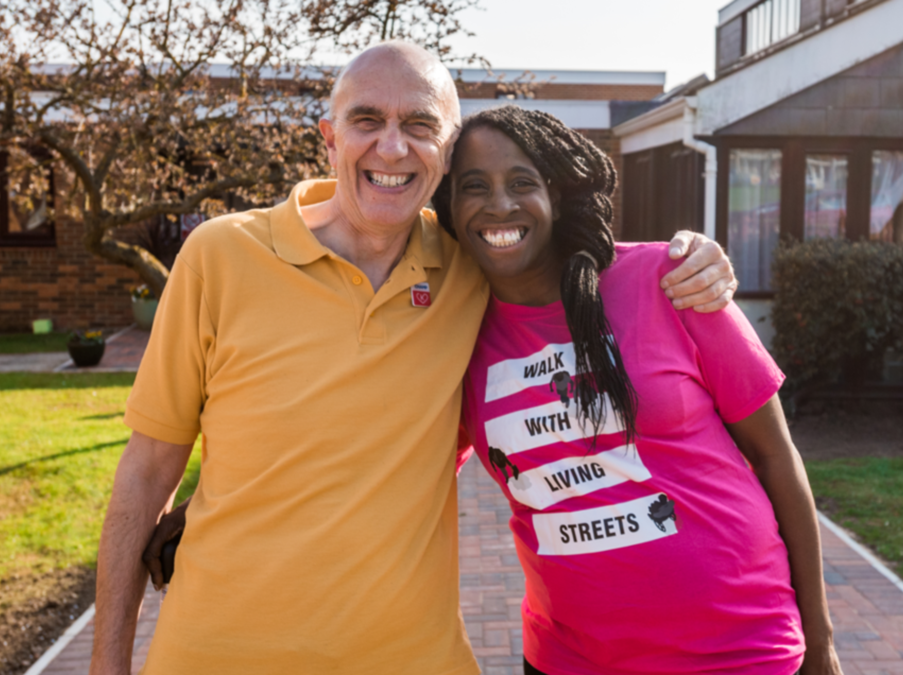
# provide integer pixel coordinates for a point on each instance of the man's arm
(705, 281)
(147, 477)
(764, 440)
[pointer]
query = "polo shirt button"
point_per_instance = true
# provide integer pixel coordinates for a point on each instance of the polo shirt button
(357, 280)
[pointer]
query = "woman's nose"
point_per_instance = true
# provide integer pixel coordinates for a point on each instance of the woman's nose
(501, 204)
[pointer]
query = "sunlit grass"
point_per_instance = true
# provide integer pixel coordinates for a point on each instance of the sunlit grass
(864, 495)
(61, 436)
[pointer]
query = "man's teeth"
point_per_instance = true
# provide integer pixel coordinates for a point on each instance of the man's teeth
(389, 180)
(503, 238)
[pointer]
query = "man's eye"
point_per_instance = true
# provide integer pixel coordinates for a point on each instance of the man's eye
(420, 128)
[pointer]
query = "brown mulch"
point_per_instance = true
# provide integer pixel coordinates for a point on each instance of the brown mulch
(837, 428)
(36, 609)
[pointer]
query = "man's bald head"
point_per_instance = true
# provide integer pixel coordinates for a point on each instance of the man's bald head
(390, 59)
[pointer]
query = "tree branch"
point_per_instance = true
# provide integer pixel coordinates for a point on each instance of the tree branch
(78, 165)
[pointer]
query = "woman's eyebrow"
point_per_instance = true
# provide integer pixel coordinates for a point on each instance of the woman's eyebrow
(514, 169)
(470, 172)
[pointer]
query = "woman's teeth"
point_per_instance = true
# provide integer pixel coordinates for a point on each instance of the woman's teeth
(503, 238)
(389, 180)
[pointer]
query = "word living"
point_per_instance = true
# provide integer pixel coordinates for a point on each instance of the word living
(579, 474)
(574, 476)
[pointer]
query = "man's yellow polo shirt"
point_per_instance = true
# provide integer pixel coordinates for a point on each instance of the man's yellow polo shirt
(323, 534)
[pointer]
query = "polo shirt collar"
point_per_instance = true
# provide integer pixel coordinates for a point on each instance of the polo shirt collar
(295, 244)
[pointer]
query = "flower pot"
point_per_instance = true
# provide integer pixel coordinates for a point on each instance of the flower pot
(84, 355)
(143, 309)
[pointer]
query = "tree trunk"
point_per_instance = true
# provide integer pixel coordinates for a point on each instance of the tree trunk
(100, 243)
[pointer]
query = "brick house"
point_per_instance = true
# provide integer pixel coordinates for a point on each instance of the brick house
(799, 135)
(45, 271)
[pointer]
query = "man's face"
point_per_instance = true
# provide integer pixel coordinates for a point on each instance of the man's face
(390, 141)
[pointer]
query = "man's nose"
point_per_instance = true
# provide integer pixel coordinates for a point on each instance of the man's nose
(392, 145)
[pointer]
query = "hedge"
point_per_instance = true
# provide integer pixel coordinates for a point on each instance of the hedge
(838, 307)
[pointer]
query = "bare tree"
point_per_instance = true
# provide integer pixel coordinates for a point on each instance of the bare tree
(353, 24)
(165, 108)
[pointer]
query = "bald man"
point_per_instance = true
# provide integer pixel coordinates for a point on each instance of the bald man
(319, 346)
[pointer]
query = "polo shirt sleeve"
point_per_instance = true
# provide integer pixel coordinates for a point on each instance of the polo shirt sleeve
(169, 391)
(738, 371)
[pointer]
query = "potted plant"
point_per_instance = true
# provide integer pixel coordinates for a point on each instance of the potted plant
(144, 306)
(86, 348)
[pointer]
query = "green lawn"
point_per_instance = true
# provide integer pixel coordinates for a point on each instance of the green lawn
(864, 495)
(61, 436)
(25, 343)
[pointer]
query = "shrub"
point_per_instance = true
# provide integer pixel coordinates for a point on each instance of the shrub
(838, 307)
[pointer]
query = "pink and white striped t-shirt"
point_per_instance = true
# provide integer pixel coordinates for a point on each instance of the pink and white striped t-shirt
(659, 556)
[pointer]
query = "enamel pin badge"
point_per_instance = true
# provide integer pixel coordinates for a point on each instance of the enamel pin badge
(420, 295)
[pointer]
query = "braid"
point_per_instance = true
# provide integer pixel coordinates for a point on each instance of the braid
(585, 178)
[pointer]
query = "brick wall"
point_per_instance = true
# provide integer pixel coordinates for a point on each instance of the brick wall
(611, 145)
(64, 283)
(570, 92)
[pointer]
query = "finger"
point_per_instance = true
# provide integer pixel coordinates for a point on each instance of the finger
(717, 305)
(698, 282)
(680, 244)
(704, 256)
(153, 564)
(709, 294)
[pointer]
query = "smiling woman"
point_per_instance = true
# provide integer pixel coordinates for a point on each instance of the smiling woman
(627, 506)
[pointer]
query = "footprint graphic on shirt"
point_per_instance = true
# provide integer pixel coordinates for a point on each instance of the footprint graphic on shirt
(500, 461)
(562, 383)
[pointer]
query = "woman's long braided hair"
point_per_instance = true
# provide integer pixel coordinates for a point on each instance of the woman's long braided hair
(585, 179)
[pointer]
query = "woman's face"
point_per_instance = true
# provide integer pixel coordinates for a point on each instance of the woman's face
(502, 211)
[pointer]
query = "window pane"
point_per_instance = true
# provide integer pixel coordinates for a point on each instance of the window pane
(887, 196)
(826, 196)
(754, 208)
(771, 21)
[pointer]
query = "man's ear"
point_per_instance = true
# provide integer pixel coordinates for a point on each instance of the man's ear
(328, 132)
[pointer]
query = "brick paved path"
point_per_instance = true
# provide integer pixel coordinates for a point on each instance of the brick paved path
(866, 607)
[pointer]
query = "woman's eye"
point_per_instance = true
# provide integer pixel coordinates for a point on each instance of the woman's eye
(524, 184)
(473, 186)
